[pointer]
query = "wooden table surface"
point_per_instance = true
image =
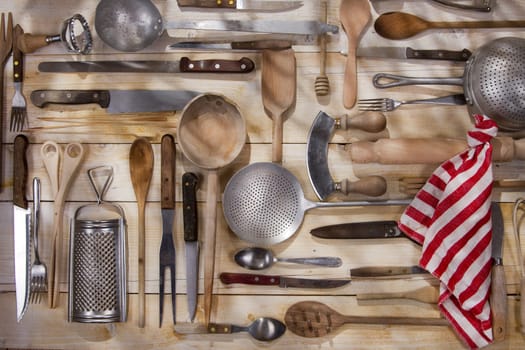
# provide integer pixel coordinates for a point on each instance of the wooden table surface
(108, 143)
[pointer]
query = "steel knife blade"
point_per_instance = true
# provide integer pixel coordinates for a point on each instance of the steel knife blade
(410, 53)
(387, 271)
(117, 101)
(243, 5)
(359, 230)
(498, 294)
(21, 225)
(190, 182)
(281, 281)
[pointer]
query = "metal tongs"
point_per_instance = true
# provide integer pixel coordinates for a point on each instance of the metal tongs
(477, 5)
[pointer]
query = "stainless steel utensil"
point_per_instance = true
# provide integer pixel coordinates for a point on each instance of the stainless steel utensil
(38, 282)
(264, 203)
(500, 96)
(18, 104)
(476, 5)
(257, 258)
(388, 104)
(263, 329)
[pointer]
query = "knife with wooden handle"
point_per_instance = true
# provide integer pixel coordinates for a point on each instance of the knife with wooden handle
(242, 5)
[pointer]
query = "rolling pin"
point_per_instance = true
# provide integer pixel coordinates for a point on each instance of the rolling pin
(428, 150)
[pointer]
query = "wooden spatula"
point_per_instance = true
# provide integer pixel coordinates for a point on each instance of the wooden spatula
(278, 80)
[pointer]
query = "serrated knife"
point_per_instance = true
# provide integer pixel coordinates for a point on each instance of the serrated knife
(21, 225)
(498, 293)
(243, 5)
(281, 281)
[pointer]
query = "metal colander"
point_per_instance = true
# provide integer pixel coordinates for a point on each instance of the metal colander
(264, 203)
(493, 82)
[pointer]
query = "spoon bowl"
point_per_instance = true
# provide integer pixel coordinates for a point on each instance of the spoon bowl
(256, 258)
(266, 329)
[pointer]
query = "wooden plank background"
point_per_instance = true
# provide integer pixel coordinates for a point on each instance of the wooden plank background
(108, 143)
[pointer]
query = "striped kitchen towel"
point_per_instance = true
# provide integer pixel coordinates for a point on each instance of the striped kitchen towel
(450, 218)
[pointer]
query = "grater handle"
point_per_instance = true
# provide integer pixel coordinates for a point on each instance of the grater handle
(93, 173)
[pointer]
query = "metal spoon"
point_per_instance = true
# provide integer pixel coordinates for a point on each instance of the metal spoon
(263, 328)
(256, 258)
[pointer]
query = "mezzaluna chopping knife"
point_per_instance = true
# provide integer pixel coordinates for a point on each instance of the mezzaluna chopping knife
(242, 5)
(281, 281)
(189, 199)
(21, 225)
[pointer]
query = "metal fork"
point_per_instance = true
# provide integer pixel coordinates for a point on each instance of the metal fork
(18, 105)
(388, 104)
(38, 285)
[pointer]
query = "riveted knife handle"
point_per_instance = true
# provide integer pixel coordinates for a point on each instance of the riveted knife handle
(231, 4)
(167, 172)
(219, 328)
(249, 278)
(20, 171)
(41, 98)
(244, 65)
(445, 55)
(261, 45)
(189, 200)
(18, 63)
(498, 302)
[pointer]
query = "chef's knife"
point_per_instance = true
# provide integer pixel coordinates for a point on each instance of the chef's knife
(387, 271)
(189, 203)
(281, 281)
(498, 293)
(243, 5)
(21, 225)
(117, 101)
(359, 230)
(410, 53)
(185, 65)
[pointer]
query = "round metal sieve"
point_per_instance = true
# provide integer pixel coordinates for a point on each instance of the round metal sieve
(264, 203)
(493, 82)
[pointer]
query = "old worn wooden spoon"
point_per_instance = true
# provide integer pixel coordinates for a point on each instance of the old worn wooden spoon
(141, 171)
(278, 80)
(354, 16)
(313, 319)
(400, 25)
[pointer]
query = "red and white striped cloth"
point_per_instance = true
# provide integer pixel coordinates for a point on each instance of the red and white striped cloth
(450, 217)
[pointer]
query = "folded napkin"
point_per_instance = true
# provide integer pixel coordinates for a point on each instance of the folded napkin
(450, 217)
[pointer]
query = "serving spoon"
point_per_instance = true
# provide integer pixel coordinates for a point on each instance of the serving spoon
(256, 258)
(263, 328)
(401, 25)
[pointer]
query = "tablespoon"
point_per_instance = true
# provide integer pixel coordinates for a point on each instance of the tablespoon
(255, 258)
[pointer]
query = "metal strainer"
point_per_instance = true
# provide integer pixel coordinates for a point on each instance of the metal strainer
(264, 203)
(493, 82)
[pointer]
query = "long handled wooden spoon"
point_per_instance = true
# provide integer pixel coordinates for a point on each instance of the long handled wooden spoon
(354, 16)
(278, 80)
(400, 25)
(141, 171)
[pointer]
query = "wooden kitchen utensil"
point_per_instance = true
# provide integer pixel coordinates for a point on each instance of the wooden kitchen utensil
(6, 45)
(141, 171)
(354, 16)
(400, 25)
(313, 319)
(322, 84)
(278, 80)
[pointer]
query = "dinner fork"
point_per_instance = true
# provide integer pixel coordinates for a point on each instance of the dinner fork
(38, 284)
(18, 105)
(388, 104)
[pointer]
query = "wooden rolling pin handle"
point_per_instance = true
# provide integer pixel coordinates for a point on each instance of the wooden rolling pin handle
(373, 186)
(498, 302)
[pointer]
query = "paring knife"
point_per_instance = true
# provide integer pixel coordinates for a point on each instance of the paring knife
(21, 225)
(281, 281)
(185, 65)
(189, 199)
(498, 293)
(410, 53)
(117, 101)
(167, 254)
(243, 5)
(359, 230)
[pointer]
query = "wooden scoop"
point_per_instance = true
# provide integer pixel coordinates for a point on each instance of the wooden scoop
(354, 16)
(141, 170)
(400, 25)
(313, 319)
(278, 80)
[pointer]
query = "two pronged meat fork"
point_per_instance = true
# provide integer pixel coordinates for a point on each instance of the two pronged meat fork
(18, 105)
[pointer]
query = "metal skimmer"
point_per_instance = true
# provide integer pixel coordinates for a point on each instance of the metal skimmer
(97, 258)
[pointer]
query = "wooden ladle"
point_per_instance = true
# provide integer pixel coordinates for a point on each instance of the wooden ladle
(400, 25)
(141, 171)
(354, 16)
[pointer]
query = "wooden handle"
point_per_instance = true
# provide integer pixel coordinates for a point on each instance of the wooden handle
(350, 76)
(411, 321)
(249, 278)
(446, 55)
(244, 65)
(498, 302)
(373, 186)
(209, 241)
(522, 306)
(189, 199)
(20, 171)
(208, 3)
(366, 121)
(261, 45)
(167, 172)
(428, 294)
(478, 24)
(219, 328)
(41, 98)
(18, 56)
(29, 43)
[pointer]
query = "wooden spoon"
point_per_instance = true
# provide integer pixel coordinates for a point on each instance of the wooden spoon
(400, 25)
(313, 319)
(278, 80)
(141, 171)
(354, 16)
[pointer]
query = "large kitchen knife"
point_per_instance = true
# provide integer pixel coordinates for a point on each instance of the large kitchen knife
(185, 65)
(189, 200)
(498, 293)
(281, 281)
(359, 230)
(118, 101)
(410, 53)
(21, 225)
(243, 5)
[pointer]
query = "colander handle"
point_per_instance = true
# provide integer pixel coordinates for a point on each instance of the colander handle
(398, 80)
